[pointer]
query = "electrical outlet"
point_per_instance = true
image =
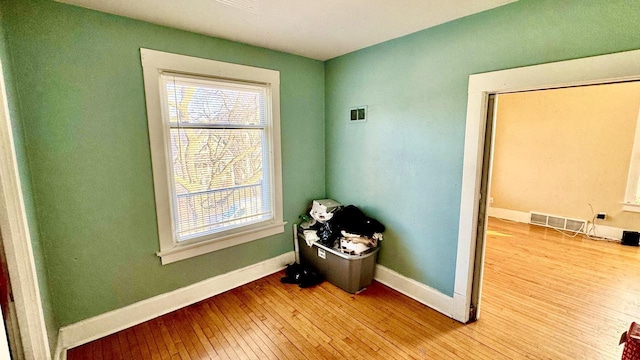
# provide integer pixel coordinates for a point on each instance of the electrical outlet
(601, 216)
(491, 200)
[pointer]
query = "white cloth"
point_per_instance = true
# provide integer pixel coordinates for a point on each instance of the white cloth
(310, 237)
(348, 246)
(359, 239)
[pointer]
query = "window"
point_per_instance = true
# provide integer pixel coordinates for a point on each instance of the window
(215, 147)
(632, 198)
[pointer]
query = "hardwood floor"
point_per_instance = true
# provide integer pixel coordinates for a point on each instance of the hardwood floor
(545, 296)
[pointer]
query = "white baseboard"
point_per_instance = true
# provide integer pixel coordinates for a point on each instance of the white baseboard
(604, 231)
(608, 232)
(415, 290)
(511, 215)
(113, 321)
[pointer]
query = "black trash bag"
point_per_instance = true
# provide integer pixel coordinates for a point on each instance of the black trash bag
(328, 234)
(354, 221)
(302, 275)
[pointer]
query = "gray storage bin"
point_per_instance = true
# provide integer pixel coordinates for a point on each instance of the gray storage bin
(351, 273)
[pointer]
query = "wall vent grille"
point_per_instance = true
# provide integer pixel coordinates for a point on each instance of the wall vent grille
(558, 222)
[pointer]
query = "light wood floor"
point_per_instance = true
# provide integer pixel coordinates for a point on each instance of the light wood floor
(545, 296)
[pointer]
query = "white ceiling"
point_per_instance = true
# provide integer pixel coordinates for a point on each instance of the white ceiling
(316, 29)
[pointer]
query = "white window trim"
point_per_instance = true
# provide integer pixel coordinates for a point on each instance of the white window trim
(154, 63)
(630, 203)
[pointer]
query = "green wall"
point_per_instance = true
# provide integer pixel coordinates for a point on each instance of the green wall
(25, 182)
(82, 137)
(404, 166)
(79, 80)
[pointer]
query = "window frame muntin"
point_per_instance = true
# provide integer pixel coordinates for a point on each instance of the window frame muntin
(154, 64)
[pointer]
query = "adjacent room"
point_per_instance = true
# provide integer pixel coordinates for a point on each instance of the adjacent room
(157, 158)
(560, 158)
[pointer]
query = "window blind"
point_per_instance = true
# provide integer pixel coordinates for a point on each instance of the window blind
(219, 154)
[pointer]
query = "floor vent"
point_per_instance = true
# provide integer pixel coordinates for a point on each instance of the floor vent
(558, 222)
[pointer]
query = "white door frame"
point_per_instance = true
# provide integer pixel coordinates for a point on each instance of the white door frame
(4, 341)
(17, 243)
(624, 66)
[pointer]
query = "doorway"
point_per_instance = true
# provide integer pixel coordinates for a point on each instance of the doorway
(471, 244)
(549, 281)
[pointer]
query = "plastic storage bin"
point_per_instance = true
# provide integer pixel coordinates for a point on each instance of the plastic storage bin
(350, 273)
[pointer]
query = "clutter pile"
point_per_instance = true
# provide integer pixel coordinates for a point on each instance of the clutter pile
(342, 247)
(346, 229)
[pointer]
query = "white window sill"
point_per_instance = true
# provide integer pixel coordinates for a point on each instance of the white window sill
(631, 207)
(181, 252)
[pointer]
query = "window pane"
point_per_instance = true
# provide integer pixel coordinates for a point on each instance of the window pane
(221, 179)
(193, 101)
